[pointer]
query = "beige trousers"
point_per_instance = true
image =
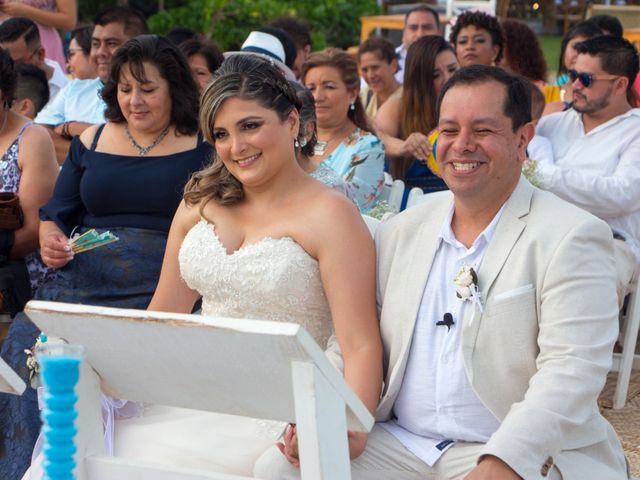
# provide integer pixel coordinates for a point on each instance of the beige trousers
(386, 458)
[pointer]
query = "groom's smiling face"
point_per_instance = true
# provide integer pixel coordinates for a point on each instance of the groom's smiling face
(479, 154)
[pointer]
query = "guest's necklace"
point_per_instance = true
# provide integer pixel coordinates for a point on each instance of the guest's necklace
(321, 147)
(142, 151)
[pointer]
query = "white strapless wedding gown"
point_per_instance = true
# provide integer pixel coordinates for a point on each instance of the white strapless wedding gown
(272, 279)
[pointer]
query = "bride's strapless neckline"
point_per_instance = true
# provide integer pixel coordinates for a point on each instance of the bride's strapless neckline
(247, 246)
(268, 279)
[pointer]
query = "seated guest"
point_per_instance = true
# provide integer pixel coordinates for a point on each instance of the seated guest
(609, 24)
(420, 21)
(596, 145)
(21, 37)
(179, 35)
(478, 39)
(344, 142)
(522, 52)
(307, 141)
(125, 176)
(203, 58)
(79, 62)
(300, 33)
(273, 44)
(28, 168)
(32, 91)
(578, 33)
(378, 65)
(498, 314)
(539, 148)
(404, 122)
(79, 105)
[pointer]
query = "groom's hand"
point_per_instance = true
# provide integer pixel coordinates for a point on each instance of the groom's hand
(492, 468)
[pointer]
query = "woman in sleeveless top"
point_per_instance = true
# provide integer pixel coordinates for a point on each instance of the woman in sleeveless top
(126, 177)
(28, 168)
(258, 238)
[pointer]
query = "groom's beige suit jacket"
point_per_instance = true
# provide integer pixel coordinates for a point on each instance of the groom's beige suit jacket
(538, 353)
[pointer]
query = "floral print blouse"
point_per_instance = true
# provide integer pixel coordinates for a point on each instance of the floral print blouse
(359, 159)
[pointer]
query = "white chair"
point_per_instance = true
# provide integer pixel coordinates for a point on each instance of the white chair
(372, 224)
(416, 196)
(624, 362)
(258, 369)
(386, 189)
(396, 194)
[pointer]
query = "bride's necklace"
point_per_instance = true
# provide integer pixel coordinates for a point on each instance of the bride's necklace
(142, 151)
(321, 147)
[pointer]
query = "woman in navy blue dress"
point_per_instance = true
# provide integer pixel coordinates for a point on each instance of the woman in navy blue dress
(125, 176)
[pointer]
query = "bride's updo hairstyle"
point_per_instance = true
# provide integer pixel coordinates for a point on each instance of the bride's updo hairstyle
(247, 77)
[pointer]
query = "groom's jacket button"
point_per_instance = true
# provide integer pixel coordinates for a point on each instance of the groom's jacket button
(544, 471)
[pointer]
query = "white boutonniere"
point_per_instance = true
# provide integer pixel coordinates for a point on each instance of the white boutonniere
(466, 282)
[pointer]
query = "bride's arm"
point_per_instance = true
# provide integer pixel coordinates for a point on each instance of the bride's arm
(172, 293)
(346, 255)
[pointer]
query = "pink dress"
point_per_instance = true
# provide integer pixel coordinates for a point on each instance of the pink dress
(49, 36)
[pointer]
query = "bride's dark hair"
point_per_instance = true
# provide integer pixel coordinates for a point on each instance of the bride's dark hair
(247, 77)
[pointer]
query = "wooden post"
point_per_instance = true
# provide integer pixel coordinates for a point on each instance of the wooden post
(321, 424)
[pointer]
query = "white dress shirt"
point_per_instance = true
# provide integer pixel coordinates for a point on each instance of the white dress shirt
(436, 404)
(78, 101)
(598, 171)
(57, 81)
(401, 53)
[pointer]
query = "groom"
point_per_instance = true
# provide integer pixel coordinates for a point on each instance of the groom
(498, 312)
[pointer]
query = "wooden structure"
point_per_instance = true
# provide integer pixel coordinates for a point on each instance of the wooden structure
(258, 369)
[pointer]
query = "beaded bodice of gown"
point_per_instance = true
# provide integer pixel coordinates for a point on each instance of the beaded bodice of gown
(271, 279)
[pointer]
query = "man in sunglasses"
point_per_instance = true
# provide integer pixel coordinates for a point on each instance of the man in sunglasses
(596, 146)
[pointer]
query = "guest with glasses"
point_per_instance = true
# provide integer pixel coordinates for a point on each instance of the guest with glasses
(79, 62)
(21, 37)
(596, 145)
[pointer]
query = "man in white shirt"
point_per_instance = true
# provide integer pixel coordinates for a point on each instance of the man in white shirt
(596, 146)
(80, 104)
(497, 313)
(419, 22)
(20, 36)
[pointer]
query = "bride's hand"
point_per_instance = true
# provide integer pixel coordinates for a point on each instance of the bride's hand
(289, 445)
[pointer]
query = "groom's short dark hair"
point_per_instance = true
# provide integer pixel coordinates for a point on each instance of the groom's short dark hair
(517, 104)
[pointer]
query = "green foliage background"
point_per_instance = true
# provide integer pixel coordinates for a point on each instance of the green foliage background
(228, 22)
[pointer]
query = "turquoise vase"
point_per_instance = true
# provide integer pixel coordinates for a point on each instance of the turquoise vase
(60, 371)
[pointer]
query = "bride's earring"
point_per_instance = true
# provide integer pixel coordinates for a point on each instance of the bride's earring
(296, 143)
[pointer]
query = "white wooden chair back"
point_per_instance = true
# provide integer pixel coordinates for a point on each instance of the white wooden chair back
(259, 369)
(624, 362)
(10, 381)
(372, 224)
(396, 194)
(415, 197)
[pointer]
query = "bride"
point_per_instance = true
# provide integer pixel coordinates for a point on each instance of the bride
(257, 237)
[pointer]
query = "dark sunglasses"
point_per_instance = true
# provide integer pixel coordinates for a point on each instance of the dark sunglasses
(586, 79)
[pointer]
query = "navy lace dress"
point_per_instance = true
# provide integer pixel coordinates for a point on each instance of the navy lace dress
(133, 197)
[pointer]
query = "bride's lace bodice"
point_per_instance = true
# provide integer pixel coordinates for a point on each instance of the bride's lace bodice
(272, 279)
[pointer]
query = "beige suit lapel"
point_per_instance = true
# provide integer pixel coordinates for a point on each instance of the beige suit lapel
(504, 238)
